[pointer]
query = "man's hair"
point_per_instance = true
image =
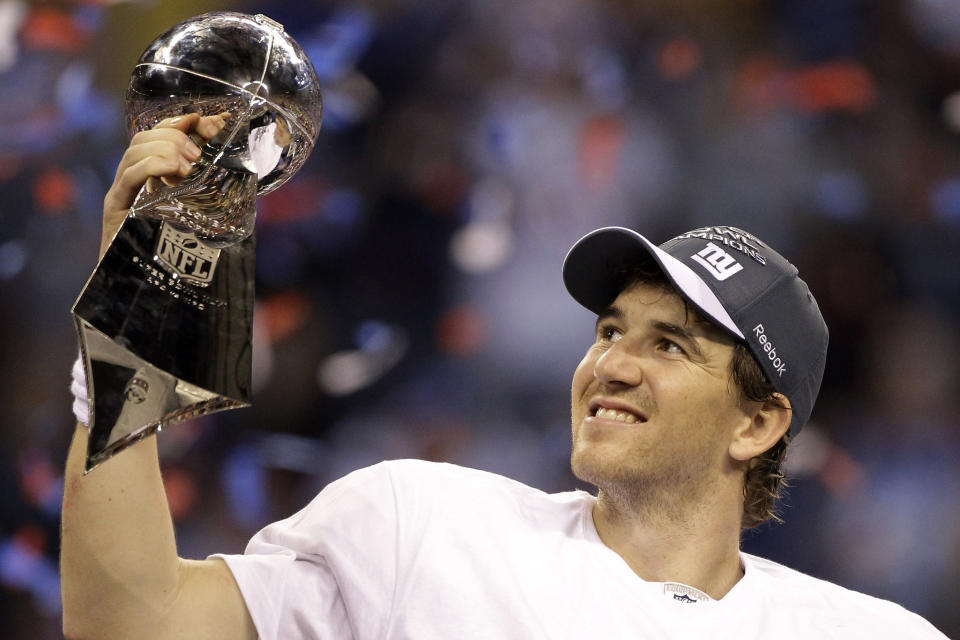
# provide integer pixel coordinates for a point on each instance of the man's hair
(764, 481)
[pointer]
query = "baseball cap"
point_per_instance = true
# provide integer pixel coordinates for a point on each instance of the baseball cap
(733, 279)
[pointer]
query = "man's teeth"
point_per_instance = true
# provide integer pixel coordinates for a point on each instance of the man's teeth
(613, 414)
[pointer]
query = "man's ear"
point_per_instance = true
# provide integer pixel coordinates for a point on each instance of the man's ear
(769, 421)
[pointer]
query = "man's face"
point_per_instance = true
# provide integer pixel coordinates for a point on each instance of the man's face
(653, 406)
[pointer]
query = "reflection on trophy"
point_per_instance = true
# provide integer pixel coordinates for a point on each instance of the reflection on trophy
(165, 321)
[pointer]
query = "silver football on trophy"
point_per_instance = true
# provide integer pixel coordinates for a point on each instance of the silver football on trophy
(243, 65)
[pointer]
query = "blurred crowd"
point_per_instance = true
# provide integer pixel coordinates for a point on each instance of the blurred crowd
(408, 278)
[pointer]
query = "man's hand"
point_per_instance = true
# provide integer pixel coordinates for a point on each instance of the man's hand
(164, 152)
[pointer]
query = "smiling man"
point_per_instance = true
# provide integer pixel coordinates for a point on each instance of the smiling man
(654, 414)
(674, 418)
(708, 356)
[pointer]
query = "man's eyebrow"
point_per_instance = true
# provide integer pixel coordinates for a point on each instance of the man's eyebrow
(613, 312)
(682, 333)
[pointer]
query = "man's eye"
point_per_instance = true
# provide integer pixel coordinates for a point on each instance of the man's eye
(609, 334)
(672, 347)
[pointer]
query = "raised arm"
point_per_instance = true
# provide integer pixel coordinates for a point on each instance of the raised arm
(120, 572)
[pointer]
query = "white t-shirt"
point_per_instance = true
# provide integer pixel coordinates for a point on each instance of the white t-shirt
(412, 549)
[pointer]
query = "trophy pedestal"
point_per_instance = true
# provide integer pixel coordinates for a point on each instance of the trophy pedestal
(165, 326)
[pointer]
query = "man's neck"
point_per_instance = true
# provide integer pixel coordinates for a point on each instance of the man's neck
(698, 546)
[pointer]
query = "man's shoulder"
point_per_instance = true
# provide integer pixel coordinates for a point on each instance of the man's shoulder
(412, 482)
(794, 584)
(447, 477)
(834, 604)
(435, 474)
(417, 492)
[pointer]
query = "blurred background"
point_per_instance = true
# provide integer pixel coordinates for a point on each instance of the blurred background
(408, 278)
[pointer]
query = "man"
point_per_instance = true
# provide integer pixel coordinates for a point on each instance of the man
(708, 356)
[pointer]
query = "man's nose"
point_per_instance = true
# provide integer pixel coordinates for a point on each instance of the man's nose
(618, 366)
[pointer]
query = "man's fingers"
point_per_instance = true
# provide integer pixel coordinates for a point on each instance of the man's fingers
(170, 142)
(145, 142)
(206, 126)
(159, 158)
(181, 149)
(150, 166)
(184, 123)
(164, 153)
(174, 131)
(210, 126)
(170, 149)
(131, 178)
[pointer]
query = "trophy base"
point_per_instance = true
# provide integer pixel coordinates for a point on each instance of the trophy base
(131, 399)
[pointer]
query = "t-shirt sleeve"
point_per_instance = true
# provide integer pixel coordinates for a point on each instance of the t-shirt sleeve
(897, 622)
(812, 607)
(329, 570)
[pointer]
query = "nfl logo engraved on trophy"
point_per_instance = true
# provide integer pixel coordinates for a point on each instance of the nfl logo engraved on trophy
(184, 256)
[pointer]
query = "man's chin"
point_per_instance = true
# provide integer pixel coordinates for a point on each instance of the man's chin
(592, 466)
(611, 470)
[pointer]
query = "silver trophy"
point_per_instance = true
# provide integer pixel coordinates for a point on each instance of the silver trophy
(165, 322)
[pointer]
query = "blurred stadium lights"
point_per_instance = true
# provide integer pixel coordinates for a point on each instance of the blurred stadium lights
(348, 101)
(381, 346)
(487, 241)
(814, 454)
(283, 313)
(335, 47)
(52, 28)
(336, 44)
(292, 453)
(767, 82)
(40, 481)
(13, 257)
(24, 566)
(182, 492)
(601, 142)
(53, 191)
(678, 58)
(263, 355)
(937, 22)
(945, 199)
(242, 477)
(12, 15)
(842, 195)
(837, 85)
(462, 330)
(480, 247)
(604, 76)
(951, 111)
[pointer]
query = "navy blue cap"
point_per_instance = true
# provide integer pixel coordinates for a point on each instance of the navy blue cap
(733, 279)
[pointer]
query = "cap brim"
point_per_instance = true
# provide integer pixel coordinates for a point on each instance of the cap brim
(590, 273)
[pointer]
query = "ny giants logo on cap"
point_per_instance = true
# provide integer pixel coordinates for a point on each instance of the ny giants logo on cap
(721, 265)
(717, 262)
